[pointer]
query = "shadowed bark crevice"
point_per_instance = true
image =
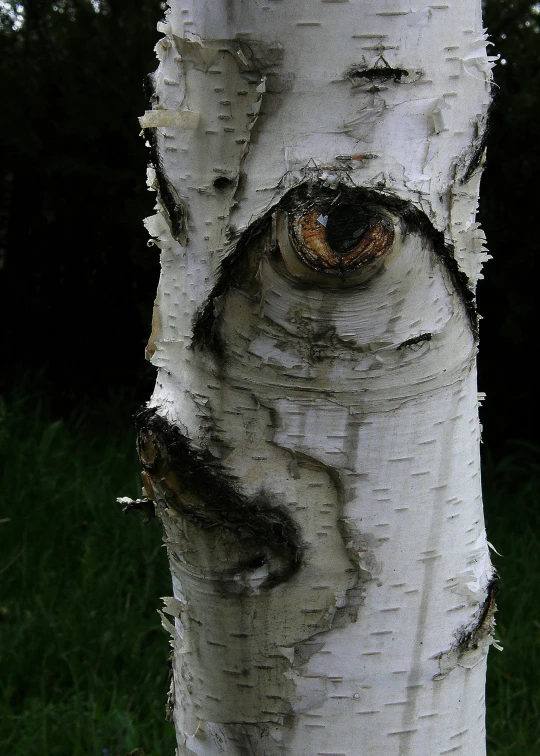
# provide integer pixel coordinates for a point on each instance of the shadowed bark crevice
(416, 340)
(377, 73)
(174, 207)
(259, 534)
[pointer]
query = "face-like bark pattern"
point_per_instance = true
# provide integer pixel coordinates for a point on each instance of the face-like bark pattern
(312, 446)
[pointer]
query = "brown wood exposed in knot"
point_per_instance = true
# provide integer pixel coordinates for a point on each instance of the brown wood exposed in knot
(148, 449)
(309, 237)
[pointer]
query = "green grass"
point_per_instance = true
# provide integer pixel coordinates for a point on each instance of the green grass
(512, 504)
(83, 659)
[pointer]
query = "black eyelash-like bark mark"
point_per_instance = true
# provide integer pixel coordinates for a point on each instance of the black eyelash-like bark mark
(379, 73)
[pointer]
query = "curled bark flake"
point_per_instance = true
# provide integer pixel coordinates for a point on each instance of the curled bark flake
(144, 505)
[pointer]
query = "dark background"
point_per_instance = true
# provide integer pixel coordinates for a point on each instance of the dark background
(77, 279)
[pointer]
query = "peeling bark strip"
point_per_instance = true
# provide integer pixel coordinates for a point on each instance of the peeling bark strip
(167, 195)
(192, 482)
(312, 443)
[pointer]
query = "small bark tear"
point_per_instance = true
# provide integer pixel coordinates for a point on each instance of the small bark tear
(470, 639)
(384, 72)
(472, 642)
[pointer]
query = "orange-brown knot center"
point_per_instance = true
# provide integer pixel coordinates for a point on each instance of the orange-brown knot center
(342, 240)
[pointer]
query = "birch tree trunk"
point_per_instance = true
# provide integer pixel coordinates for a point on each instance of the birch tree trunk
(312, 443)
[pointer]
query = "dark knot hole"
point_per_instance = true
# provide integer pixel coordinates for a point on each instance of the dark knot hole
(346, 225)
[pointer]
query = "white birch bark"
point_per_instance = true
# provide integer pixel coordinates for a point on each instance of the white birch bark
(312, 444)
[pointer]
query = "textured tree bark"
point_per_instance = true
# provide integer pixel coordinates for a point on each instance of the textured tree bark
(312, 443)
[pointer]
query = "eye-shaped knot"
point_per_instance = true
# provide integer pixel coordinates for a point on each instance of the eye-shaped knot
(346, 243)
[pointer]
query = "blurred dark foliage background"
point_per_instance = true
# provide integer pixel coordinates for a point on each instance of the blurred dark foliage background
(77, 279)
